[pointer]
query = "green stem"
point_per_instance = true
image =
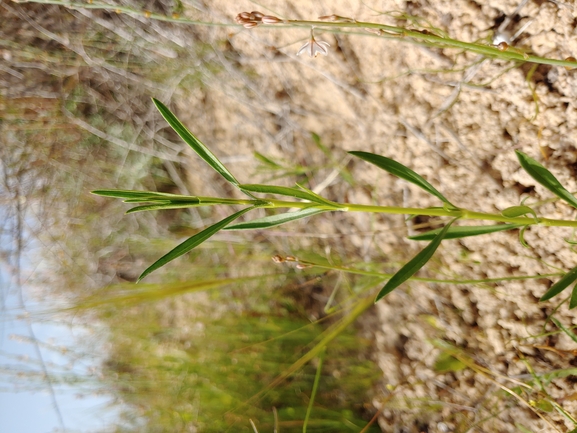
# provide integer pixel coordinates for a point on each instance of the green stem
(430, 280)
(438, 41)
(463, 214)
(314, 391)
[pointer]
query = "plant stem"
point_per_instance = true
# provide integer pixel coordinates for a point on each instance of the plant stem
(440, 212)
(422, 37)
(438, 41)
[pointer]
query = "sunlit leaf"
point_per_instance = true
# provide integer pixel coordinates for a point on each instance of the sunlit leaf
(415, 264)
(560, 285)
(465, 231)
(516, 211)
(401, 171)
(194, 142)
(276, 220)
(192, 242)
(545, 178)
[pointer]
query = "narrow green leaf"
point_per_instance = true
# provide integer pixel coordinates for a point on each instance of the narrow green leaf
(516, 211)
(193, 242)
(545, 178)
(136, 196)
(573, 301)
(194, 142)
(288, 191)
(164, 206)
(522, 240)
(276, 220)
(561, 285)
(401, 171)
(319, 198)
(568, 332)
(266, 160)
(465, 231)
(414, 264)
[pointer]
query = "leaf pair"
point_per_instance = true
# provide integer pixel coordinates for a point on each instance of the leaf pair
(158, 201)
(436, 237)
(546, 178)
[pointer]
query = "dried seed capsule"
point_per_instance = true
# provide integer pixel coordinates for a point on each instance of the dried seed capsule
(147, 14)
(257, 15)
(277, 259)
(250, 24)
(570, 59)
(503, 46)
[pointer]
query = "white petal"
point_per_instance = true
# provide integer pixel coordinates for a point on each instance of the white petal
(303, 48)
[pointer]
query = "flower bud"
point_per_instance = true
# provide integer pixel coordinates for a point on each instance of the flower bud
(269, 19)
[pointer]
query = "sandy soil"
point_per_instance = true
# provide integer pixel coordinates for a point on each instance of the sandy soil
(454, 118)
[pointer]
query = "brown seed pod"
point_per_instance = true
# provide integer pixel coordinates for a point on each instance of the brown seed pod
(503, 46)
(277, 259)
(269, 19)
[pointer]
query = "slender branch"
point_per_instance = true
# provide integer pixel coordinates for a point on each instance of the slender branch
(422, 37)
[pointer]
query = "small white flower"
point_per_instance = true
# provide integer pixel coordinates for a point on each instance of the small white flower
(314, 47)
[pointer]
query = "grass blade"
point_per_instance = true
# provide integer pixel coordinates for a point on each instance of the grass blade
(290, 192)
(193, 242)
(194, 142)
(545, 178)
(414, 264)
(464, 231)
(276, 220)
(560, 285)
(399, 170)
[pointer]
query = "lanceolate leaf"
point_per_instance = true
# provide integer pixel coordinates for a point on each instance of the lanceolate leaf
(545, 178)
(164, 206)
(192, 242)
(414, 265)
(401, 171)
(136, 196)
(464, 231)
(516, 211)
(276, 220)
(288, 191)
(194, 142)
(561, 285)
